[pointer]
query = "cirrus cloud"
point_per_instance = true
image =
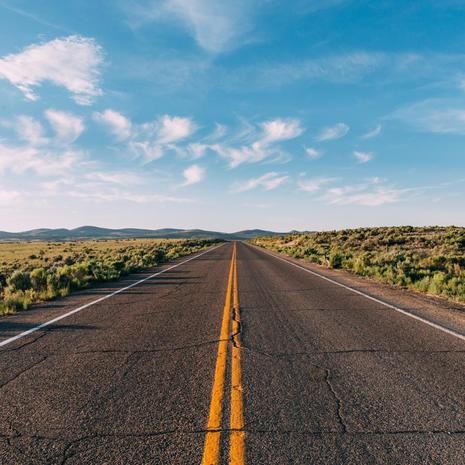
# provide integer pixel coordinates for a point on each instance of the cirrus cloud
(333, 132)
(71, 62)
(117, 123)
(268, 182)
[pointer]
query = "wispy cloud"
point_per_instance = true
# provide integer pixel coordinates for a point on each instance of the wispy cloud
(67, 127)
(193, 175)
(216, 26)
(313, 185)
(334, 132)
(375, 132)
(29, 130)
(254, 144)
(441, 116)
(122, 178)
(72, 62)
(363, 157)
(33, 17)
(367, 195)
(313, 153)
(117, 123)
(44, 162)
(151, 140)
(268, 181)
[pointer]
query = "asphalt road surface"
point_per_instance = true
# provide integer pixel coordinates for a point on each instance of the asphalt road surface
(232, 357)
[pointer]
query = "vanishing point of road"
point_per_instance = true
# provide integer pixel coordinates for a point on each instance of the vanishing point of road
(231, 356)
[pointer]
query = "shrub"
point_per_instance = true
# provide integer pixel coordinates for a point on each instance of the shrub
(19, 281)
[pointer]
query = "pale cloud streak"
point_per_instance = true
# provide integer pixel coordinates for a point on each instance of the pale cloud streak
(67, 127)
(117, 123)
(151, 140)
(365, 195)
(363, 157)
(73, 62)
(375, 132)
(313, 185)
(440, 116)
(268, 182)
(337, 131)
(253, 145)
(30, 130)
(216, 26)
(44, 162)
(313, 153)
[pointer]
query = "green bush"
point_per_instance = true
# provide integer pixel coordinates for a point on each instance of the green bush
(430, 259)
(19, 281)
(21, 287)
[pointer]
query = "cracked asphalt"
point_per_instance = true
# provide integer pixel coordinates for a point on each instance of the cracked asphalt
(329, 377)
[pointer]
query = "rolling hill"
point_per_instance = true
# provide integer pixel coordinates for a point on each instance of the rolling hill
(94, 232)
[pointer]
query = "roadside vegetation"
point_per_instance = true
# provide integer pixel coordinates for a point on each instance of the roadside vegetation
(32, 272)
(430, 259)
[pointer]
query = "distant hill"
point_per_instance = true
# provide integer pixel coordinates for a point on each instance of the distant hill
(94, 232)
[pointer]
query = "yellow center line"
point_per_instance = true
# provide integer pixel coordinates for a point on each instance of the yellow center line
(237, 436)
(211, 453)
(212, 447)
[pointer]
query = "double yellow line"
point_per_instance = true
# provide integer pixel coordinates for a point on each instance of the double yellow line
(212, 448)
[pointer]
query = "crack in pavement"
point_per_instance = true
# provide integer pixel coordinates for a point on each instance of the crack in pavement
(133, 351)
(43, 358)
(143, 434)
(339, 402)
(347, 351)
(32, 341)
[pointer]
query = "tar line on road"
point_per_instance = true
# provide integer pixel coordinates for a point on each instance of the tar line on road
(212, 448)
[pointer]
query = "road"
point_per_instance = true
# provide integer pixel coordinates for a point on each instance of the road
(232, 357)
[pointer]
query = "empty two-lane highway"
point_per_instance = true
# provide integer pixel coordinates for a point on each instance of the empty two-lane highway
(234, 356)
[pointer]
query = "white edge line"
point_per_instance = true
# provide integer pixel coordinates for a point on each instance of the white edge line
(374, 299)
(89, 304)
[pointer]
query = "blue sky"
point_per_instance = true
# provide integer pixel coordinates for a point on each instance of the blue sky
(229, 115)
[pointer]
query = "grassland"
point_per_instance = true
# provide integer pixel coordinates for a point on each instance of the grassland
(430, 259)
(32, 272)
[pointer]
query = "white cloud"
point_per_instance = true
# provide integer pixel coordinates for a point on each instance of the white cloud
(351, 67)
(149, 151)
(152, 139)
(252, 144)
(312, 153)
(440, 116)
(280, 129)
(193, 175)
(375, 132)
(68, 127)
(197, 150)
(72, 62)
(314, 185)
(174, 128)
(30, 130)
(363, 157)
(118, 195)
(215, 25)
(20, 159)
(117, 123)
(334, 132)
(268, 181)
(363, 195)
(122, 178)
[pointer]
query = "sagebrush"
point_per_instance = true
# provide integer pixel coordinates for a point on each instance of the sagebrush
(427, 259)
(37, 271)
